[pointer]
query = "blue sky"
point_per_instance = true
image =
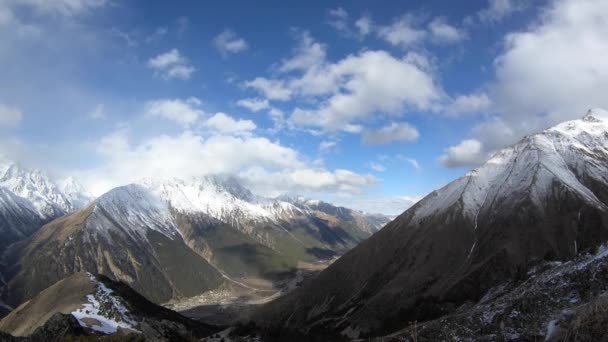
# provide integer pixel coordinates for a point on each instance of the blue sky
(366, 104)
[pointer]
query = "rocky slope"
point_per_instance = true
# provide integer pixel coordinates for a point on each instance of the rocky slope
(543, 198)
(128, 234)
(99, 306)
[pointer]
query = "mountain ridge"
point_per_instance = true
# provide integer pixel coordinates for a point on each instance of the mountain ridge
(541, 198)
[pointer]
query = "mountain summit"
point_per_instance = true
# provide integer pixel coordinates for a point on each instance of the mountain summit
(543, 198)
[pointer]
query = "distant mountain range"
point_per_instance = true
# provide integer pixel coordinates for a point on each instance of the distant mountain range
(542, 199)
(143, 234)
(513, 250)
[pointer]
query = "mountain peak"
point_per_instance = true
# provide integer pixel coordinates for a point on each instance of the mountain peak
(596, 115)
(133, 206)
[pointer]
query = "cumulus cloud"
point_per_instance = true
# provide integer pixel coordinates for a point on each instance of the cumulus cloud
(352, 89)
(442, 32)
(228, 42)
(363, 84)
(171, 65)
(403, 32)
(499, 9)
(271, 89)
(469, 104)
(364, 25)
(327, 145)
(184, 112)
(224, 123)
(266, 166)
(274, 183)
(391, 133)
(377, 167)
(9, 116)
(467, 153)
(394, 205)
(545, 74)
(254, 104)
(338, 19)
(58, 7)
(308, 54)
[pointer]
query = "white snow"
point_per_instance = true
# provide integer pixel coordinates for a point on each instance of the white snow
(92, 310)
(225, 200)
(133, 210)
(35, 186)
(533, 164)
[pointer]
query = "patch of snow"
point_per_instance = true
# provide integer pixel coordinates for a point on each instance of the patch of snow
(93, 310)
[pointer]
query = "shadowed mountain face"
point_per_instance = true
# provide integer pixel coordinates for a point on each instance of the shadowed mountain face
(544, 198)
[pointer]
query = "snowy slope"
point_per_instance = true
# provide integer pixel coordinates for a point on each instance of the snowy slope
(132, 210)
(18, 218)
(561, 152)
(222, 199)
(225, 199)
(76, 194)
(44, 194)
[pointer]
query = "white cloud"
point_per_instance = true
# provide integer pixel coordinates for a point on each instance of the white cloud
(413, 162)
(254, 104)
(442, 32)
(553, 71)
(364, 84)
(271, 89)
(228, 42)
(380, 205)
(338, 19)
(58, 7)
(185, 112)
(391, 133)
(266, 166)
(469, 104)
(499, 9)
(226, 124)
(9, 116)
(377, 167)
(467, 153)
(170, 65)
(308, 54)
(364, 25)
(274, 183)
(402, 32)
(327, 145)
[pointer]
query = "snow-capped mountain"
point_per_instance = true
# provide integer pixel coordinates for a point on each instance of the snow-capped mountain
(18, 218)
(131, 210)
(76, 194)
(226, 200)
(223, 199)
(127, 234)
(43, 193)
(543, 198)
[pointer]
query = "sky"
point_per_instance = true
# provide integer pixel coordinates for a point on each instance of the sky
(367, 104)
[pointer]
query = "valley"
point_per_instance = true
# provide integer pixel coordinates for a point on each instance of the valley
(305, 171)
